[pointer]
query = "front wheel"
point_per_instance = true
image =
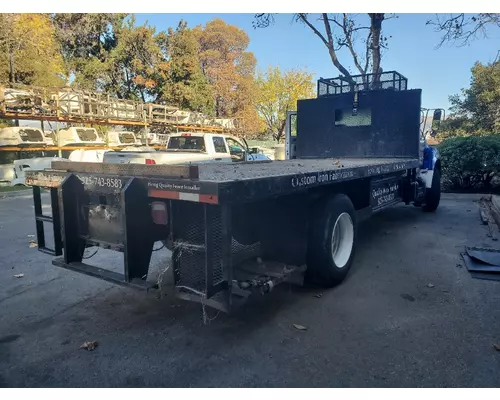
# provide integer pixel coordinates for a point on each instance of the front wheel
(332, 240)
(433, 194)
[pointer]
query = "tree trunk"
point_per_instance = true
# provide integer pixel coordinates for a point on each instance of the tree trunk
(12, 76)
(376, 30)
(218, 107)
(338, 65)
(281, 130)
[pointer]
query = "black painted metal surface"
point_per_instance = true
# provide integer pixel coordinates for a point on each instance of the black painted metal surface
(244, 183)
(386, 124)
(40, 218)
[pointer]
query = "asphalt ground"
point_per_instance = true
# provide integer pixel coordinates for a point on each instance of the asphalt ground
(408, 315)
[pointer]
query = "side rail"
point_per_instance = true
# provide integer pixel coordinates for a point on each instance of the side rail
(39, 180)
(53, 219)
(290, 134)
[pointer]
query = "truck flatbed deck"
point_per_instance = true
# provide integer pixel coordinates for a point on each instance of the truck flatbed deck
(289, 168)
(223, 183)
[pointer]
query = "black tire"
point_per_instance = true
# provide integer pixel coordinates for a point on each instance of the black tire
(322, 268)
(433, 194)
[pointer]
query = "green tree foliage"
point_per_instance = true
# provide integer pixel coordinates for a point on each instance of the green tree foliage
(132, 64)
(185, 85)
(278, 93)
(455, 125)
(29, 51)
(477, 109)
(86, 42)
(470, 163)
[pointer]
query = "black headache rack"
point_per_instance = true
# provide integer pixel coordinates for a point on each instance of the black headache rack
(213, 261)
(391, 80)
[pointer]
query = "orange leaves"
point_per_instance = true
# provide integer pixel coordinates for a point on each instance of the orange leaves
(142, 81)
(229, 69)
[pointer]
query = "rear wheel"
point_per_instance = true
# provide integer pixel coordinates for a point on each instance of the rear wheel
(433, 194)
(332, 240)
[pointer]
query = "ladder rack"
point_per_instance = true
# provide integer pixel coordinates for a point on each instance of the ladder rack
(77, 106)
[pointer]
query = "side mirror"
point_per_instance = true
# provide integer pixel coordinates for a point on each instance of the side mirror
(437, 115)
(436, 121)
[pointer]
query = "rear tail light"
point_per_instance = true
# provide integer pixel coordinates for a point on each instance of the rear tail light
(150, 161)
(159, 212)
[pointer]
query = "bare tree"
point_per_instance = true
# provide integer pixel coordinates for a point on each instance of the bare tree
(461, 29)
(337, 31)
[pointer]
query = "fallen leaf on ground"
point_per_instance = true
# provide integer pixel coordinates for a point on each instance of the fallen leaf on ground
(89, 345)
(33, 244)
(407, 297)
(430, 285)
(300, 327)
(496, 347)
(19, 276)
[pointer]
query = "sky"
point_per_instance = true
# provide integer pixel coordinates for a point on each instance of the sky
(412, 51)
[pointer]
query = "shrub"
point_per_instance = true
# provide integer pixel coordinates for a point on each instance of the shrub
(471, 163)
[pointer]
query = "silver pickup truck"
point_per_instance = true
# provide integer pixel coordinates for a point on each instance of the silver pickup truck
(190, 147)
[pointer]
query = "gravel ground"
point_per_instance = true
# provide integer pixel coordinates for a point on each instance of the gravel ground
(384, 326)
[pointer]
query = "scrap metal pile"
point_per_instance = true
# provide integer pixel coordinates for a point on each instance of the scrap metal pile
(484, 263)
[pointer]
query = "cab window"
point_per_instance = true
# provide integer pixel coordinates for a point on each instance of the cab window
(234, 146)
(236, 149)
(219, 145)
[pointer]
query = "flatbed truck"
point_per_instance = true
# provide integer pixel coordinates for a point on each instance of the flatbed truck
(240, 229)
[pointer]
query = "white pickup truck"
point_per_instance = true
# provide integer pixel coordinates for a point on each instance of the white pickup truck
(190, 147)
